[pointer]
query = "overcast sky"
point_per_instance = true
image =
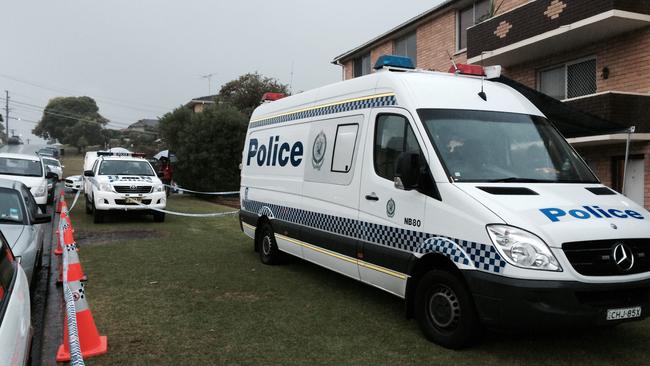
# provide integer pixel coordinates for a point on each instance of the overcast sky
(142, 58)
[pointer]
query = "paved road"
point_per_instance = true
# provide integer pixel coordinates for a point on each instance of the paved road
(21, 149)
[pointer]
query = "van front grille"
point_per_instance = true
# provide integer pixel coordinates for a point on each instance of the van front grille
(596, 257)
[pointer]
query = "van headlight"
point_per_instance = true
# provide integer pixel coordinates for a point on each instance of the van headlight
(158, 188)
(105, 187)
(522, 249)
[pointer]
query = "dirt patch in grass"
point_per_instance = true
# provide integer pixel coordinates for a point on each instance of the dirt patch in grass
(106, 237)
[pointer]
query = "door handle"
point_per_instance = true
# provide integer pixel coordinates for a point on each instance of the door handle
(372, 197)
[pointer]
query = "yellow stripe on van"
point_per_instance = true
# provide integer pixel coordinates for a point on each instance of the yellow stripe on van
(344, 257)
(324, 106)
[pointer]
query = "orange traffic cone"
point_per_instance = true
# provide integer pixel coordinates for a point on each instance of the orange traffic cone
(75, 272)
(61, 202)
(59, 248)
(91, 343)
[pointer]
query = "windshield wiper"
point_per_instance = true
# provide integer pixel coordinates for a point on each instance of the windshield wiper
(519, 180)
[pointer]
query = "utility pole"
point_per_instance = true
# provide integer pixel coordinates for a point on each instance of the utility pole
(7, 110)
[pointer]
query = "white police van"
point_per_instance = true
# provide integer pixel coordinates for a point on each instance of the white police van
(450, 191)
(123, 182)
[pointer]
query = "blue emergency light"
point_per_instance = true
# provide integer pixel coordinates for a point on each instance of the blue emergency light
(394, 61)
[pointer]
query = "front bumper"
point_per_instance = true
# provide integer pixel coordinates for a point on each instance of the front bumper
(509, 303)
(105, 201)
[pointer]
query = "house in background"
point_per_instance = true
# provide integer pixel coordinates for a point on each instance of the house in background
(197, 105)
(145, 125)
(592, 55)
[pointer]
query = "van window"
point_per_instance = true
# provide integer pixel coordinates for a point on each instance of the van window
(345, 140)
(393, 136)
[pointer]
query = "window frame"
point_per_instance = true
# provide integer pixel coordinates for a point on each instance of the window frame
(374, 139)
(474, 22)
(565, 66)
(354, 148)
(404, 38)
(359, 61)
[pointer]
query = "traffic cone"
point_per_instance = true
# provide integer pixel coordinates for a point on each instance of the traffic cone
(59, 205)
(91, 343)
(59, 248)
(75, 272)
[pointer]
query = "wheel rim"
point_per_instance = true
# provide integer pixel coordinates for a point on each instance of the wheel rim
(444, 308)
(266, 245)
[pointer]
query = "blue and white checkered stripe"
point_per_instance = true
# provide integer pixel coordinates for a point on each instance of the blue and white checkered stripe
(382, 101)
(481, 256)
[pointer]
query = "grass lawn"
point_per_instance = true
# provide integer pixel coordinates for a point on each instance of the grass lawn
(192, 292)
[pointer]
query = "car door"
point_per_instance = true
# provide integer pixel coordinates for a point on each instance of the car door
(36, 232)
(386, 212)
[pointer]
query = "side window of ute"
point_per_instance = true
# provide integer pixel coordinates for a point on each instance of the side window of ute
(393, 136)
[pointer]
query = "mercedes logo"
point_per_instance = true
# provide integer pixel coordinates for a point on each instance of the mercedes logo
(623, 256)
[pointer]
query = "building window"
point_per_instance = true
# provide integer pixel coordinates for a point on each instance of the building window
(570, 80)
(362, 65)
(473, 14)
(407, 46)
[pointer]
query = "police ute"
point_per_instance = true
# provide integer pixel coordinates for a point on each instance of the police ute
(123, 182)
(450, 191)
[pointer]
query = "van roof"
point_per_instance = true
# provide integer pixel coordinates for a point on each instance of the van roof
(411, 89)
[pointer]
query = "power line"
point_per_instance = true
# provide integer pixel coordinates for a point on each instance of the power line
(38, 108)
(108, 100)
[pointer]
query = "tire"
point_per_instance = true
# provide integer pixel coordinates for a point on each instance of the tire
(445, 310)
(98, 216)
(158, 216)
(89, 208)
(268, 248)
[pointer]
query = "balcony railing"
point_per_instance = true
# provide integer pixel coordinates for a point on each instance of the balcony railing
(573, 22)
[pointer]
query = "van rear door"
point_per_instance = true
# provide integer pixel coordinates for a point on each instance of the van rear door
(385, 210)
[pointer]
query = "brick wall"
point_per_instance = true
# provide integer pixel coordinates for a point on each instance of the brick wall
(348, 69)
(626, 56)
(385, 48)
(436, 40)
(508, 5)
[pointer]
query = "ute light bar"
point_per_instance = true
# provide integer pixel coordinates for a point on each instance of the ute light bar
(110, 153)
(394, 62)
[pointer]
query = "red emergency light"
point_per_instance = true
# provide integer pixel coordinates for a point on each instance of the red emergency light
(465, 69)
(271, 97)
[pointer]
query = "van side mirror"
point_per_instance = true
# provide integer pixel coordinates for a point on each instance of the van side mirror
(89, 173)
(407, 172)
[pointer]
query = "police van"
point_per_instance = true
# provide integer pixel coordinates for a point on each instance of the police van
(120, 181)
(451, 191)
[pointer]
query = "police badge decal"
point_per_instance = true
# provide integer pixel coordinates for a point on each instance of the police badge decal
(318, 150)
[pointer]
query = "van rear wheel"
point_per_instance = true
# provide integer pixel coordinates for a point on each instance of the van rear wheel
(268, 248)
(445, 310)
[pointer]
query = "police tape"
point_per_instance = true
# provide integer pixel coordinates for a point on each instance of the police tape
(185, 214)
(227, 193)
(76, 359)
(74, 201)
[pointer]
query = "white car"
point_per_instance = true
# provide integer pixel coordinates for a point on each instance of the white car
(31, 171)
(15, 318)
(73, 183)
(54, 165)
(123, 183)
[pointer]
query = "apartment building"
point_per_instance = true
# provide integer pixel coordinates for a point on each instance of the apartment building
(594, 55)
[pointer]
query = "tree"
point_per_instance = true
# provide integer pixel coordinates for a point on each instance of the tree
(172, 123)
(245, 93)
(62, 113)
(82, 134)
(209, 149)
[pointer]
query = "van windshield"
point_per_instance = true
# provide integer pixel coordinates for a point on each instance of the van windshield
(483, 146)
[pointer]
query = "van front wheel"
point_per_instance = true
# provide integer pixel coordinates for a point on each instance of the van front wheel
(445, 310)
(268, 248)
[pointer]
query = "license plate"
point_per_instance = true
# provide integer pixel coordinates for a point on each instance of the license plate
(134, 199)
(624, 313)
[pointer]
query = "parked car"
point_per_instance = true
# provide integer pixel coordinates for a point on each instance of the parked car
(15, 318)
(20, 222)
(46, 152)
(30, 170)
(55, 151)
(73, 183)
(54, 165)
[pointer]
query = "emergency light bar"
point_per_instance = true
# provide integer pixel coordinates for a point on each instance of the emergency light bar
(110, 153)
(490, 72)
(271, 97)
(392, 61)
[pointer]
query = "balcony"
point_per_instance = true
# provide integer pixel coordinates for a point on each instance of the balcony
(544, 27)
